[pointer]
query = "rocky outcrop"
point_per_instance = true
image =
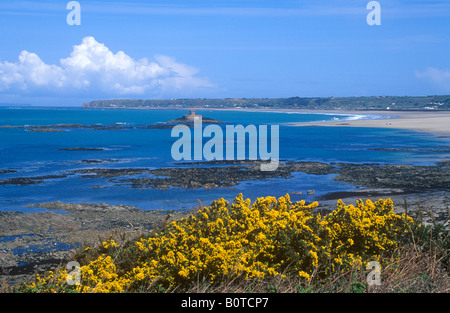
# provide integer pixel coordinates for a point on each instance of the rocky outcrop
(39, 241)
(213, 174)
(190, 119)
(36, 242)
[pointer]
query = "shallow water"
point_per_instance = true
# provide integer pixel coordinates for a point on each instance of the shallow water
(34, 154)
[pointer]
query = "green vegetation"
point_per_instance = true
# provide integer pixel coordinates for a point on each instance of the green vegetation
(272, 245)
(331, 103)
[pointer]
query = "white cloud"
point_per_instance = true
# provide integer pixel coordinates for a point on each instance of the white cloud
(437, 77)
(29, 71)
(92, 67)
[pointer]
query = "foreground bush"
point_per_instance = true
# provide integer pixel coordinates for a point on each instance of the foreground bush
(269, 239)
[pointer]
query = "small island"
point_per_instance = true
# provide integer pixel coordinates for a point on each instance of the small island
(189, 119)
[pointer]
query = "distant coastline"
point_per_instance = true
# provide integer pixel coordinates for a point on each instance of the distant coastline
(433, 121)
(425, 113)
(441, 102)
(423, 119)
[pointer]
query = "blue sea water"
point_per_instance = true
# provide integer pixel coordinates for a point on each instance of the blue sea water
(34, 154)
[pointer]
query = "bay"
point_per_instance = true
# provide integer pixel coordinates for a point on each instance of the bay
(118, 139)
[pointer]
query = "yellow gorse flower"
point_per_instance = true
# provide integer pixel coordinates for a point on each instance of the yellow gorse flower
(109, 244)
(270, 237)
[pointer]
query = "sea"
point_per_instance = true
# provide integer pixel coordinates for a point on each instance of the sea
(122, 139)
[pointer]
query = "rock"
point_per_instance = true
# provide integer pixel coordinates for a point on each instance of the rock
(7, 172)
(108, 173)
(189, 119)
(43, 247)
(44, 130)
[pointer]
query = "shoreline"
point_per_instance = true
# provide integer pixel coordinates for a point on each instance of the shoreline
(38, 241)
(434, 122)
(428, 122)
(85, 222)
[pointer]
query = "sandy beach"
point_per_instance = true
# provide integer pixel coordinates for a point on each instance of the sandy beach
(430, 122)
(436, 122)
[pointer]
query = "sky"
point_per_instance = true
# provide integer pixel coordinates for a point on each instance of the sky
(166, 49)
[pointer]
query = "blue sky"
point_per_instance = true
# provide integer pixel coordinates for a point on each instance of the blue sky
(214, 49)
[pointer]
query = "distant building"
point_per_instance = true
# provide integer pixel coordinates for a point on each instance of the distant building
(191, 116)
(189, 119)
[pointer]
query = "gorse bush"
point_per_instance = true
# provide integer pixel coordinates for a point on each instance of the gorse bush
(269, 238)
